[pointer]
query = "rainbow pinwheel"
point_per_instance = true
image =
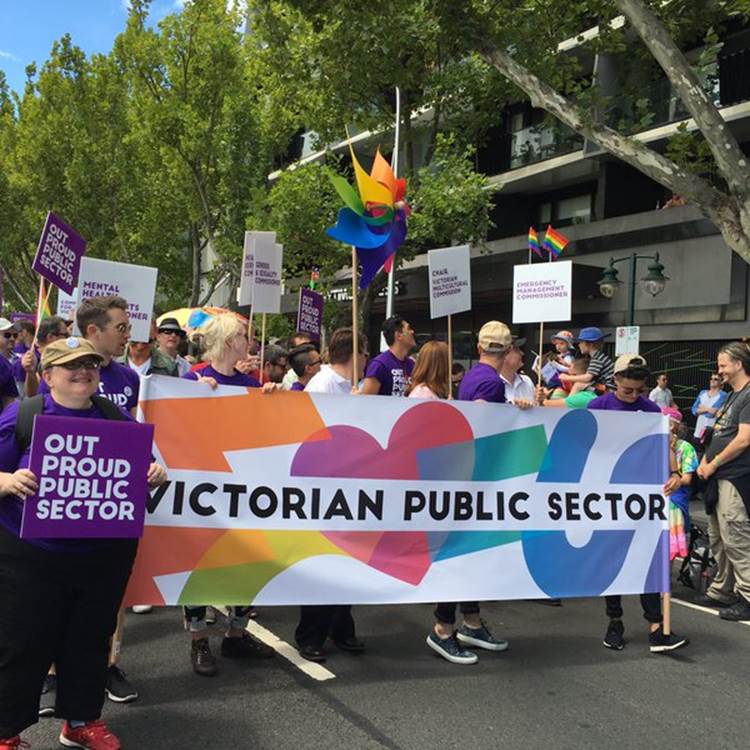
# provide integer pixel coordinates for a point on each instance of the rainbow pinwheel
(373, 219)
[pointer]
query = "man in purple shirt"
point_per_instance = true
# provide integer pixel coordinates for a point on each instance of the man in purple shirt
(8, 388)
(389, 374)
(306, 362)
(631, 375)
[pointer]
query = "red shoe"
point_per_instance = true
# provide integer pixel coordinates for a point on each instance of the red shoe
(91, 736)
(14, 743)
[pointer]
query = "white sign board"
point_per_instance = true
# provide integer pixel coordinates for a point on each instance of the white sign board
(66, 304)
(137, 284)
(627, 339)
(245, 292)
(543, 292)
(450, 280)
(268, 261)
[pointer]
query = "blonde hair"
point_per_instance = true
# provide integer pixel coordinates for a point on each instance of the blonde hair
(432, 369)
(216, 333)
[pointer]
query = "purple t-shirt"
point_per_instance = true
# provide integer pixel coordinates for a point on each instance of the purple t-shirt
(610, 402)
(12, 458)
(482, 383)
(297, 386)
(239, 378)
(7, 381)
(116, 382)
(393, 374)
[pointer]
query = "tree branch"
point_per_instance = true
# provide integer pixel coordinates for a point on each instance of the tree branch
(16, 289)
(729, 158)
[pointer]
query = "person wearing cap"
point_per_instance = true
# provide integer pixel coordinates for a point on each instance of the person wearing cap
(561, 397)
(60, 597)
(481, 383)
(170, 336)
(564, 344)
(519, 389)
(8, 388)
(631, 375)
(389, 374)
(146, 359)
(600, 372)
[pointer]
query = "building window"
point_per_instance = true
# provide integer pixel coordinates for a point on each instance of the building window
(566, 211)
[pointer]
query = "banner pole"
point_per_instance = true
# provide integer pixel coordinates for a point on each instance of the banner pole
(262, 344)
(355, 319)
(450, 356)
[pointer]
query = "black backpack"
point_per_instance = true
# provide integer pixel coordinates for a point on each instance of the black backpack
(699, 567)
(33, 406)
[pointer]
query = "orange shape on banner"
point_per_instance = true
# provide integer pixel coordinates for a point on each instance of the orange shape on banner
(194, 433)
(162, 551)
(237, 547)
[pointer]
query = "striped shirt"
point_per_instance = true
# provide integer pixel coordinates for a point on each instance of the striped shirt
(602, 368)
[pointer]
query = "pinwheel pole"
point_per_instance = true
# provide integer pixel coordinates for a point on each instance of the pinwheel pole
(355, 321)
(394, 164)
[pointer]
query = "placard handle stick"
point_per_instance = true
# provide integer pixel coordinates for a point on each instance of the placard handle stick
(541, 352)
(250, 326)
(355, 320)
(262, 344)
(41, 302)
(667, 612)
(450, 355)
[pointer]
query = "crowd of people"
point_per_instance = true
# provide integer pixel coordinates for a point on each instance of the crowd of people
(61, 627)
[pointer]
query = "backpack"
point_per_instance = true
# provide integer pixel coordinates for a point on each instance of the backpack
(698, 567)
(31, 407)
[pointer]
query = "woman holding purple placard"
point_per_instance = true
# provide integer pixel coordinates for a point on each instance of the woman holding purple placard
(78, 584)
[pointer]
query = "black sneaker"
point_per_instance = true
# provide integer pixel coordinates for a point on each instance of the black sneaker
(480, 638)
(614, 637)
(737, 612)
(245, 647)
(658, 643)
(203, 661)
(118, 689)
(49, 694)
(450, 649)
(210, 616)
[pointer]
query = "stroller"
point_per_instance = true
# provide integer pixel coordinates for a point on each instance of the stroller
(698, 567)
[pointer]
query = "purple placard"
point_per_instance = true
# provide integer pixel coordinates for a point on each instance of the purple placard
(16, 316)
(92, 479)
(58, 257)
(310, 313)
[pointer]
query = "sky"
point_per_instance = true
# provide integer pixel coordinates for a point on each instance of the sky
(29, 27)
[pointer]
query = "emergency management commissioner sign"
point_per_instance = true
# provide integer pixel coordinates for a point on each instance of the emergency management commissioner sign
(542, 292)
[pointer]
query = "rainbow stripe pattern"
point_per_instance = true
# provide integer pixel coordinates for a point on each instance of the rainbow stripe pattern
(534, 242)
(554, 242)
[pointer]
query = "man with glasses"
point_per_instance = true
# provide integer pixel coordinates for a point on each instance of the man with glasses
(631, 374)
(275, 364)
(8, 389)
(170, 336)
(144, 358)
(305, 361)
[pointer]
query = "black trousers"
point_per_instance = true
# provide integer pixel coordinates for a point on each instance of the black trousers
(651, 604)
(445, 612)
(317, 622)
(57, 607)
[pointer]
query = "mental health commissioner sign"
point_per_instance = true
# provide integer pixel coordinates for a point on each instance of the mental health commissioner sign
(296, 498)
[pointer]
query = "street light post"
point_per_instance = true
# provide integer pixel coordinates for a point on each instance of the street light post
(653, 282)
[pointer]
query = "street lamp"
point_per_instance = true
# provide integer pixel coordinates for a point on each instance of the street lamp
(652, 283)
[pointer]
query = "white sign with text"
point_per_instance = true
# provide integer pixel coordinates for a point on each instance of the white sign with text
(268, 261)
(542, 292)
(450, 280)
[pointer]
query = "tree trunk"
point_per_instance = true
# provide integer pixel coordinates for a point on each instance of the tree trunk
(197, 257)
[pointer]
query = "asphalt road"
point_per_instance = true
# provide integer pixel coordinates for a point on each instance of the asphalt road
(556, 687)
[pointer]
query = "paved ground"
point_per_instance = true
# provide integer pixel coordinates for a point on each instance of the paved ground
(556, 687)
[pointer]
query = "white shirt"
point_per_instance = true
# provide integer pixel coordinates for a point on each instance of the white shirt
(661, 396)
(140, 369)
(329, 381)
(183, 366)
(289, 379)
(521, 389)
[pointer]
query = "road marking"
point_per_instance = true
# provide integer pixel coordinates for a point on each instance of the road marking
(310, 668)
(708, 610)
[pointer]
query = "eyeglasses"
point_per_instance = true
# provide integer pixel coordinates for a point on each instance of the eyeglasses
(81, 364)
(172, 332)
(123, 328)
(10, 334)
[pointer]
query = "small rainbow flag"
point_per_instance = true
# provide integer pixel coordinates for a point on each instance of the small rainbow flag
(534, 242)
(554, 242)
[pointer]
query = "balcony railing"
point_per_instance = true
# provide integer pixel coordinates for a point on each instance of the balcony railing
(539, 142)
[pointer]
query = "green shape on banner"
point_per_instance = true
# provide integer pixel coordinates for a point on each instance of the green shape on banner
(230, 584)
(509, 454)
(347, 193)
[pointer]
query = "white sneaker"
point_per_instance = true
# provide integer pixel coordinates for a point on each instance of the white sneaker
(141, 609)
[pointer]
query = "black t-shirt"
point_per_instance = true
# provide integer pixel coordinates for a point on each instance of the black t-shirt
(735, 412)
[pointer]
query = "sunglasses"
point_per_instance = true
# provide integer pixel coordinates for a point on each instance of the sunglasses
(10, 335)
(81, 364)
(172, 332)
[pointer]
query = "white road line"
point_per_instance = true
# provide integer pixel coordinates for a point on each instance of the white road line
(708, 610)
(310, 668)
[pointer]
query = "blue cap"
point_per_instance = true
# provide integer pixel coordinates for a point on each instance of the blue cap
(592, 333)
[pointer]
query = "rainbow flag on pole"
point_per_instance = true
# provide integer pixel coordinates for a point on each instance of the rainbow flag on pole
(554, 242)
(534, 242)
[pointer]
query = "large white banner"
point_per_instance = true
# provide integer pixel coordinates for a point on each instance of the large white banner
(137, 284)
(543, 292)
(369, 500)
(450, 280)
